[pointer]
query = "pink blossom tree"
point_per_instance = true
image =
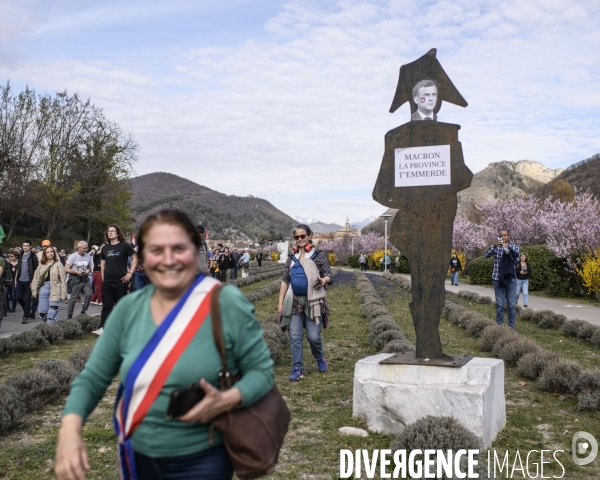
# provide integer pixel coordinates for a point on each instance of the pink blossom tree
(467, 237)
(573, 228)
(522, 216)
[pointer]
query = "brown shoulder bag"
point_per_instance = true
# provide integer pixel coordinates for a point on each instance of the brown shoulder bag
(252, 435)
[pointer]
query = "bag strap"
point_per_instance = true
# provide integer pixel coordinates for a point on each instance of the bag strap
(225, 378)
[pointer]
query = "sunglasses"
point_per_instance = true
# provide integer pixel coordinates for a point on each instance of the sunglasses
(300, 237)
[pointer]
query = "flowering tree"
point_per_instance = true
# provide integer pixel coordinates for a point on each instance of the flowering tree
(340, 248)
(368, 243)
(522, 216)
(467, 237)
(573, 228)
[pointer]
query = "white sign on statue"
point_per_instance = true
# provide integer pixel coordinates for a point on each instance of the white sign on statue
(420, 166)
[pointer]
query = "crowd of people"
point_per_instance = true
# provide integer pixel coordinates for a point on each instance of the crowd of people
(44, 276)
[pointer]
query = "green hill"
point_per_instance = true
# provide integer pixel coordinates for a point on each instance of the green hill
(226, 216)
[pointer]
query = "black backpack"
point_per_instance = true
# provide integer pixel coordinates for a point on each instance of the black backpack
(7, 278)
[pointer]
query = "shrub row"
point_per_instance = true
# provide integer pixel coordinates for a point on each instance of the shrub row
(575, 328)
(257, 277)
(274, 337)
(533, 362)
(44, 334)
(384, 332)
(30, 390)
(402, 282)
(441, 433)
(475, 297)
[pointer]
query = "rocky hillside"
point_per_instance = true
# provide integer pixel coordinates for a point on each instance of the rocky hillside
(503, 180)
(584, 175)
(500, 180)
(226, 216)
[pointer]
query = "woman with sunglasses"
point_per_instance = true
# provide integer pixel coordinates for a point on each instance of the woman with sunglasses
(305, 307)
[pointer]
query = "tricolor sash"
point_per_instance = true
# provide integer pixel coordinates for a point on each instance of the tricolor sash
(151, 369)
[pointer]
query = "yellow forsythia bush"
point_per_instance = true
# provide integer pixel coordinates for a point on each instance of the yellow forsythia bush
(590, 275)
(332, 257)
(274, 256)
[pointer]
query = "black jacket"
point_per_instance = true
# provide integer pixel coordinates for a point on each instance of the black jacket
(458, 265)
(518, 269)
(32, 264)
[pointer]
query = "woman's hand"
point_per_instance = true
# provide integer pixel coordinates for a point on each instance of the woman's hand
(279, 308)
(213, 404)
(71, 454)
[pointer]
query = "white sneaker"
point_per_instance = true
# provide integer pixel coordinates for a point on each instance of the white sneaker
(98, 332)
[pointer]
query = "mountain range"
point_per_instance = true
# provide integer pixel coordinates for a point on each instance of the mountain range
(321, 227)
(227, 217)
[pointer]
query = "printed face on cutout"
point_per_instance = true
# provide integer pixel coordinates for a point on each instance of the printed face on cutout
(427, 99)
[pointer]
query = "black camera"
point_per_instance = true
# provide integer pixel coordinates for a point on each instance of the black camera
(183, 399)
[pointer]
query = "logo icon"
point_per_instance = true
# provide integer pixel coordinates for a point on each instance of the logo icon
(584, 448)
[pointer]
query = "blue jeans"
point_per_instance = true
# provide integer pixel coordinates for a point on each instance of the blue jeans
(46, 306)
(506, 292)
(313, 334)
(12, 293)
(140, 281)
(210, 464)
(524, 286)
(454, 278)
(233, 272)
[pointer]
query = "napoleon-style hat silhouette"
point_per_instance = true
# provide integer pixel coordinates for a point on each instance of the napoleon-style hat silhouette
(425, 68)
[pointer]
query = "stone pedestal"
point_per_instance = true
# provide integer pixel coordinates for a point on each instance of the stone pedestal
(388, 397)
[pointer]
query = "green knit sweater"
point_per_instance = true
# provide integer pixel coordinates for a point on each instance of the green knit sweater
(129, 328)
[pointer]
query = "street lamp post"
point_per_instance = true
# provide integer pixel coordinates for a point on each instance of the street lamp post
(385, 217)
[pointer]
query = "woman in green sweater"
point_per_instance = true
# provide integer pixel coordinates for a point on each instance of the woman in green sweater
(177, 448)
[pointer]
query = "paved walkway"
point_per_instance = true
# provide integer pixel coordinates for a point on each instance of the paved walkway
(571, 309)
(12, 323)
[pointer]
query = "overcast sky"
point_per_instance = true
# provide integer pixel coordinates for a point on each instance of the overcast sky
(290, 100)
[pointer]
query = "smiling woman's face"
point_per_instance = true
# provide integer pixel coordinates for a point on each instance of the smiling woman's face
(170, 257)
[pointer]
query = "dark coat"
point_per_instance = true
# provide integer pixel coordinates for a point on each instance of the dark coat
(32, 264)
(458, 265)
(518, 270)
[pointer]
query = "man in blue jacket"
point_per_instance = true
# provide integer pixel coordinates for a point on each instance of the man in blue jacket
(504, 276)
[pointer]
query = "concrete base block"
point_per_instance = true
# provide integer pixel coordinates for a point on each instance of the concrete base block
(388, 397)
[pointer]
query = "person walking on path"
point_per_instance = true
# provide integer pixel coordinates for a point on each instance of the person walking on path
(78, 266)
(362, 261)
(204, 261)
(225, 263)
(50, 285)
(523, 272)
(27, 263)
(115, 274)
(302, 304)
(235, 255)
(259, 257)
(11, 290)
(504, 276)
(97, 278)
(244, 263)
(3, 299)
(454, 268)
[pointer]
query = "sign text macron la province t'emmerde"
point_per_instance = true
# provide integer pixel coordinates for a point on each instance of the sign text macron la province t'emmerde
(420, 166)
